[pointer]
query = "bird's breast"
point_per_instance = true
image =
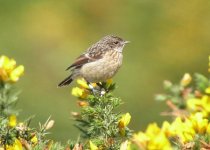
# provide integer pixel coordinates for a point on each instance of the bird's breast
(104, 68)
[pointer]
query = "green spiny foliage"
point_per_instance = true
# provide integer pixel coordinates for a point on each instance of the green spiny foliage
(201, 82)
(99, 121)
(179, 93)
(7, 134)
(8, 99)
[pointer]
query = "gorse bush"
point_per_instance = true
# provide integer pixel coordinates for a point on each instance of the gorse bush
(16, 135)
(98, 120)
(102, 126)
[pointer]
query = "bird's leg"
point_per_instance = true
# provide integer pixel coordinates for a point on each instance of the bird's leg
(102, 88)
(92, 88)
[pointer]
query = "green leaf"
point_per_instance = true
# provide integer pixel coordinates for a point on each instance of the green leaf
(160, 97)
(201, 82)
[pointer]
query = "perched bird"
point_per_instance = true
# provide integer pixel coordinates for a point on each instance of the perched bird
(100, 62)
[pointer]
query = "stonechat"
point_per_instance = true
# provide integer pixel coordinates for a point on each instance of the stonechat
(99, 63)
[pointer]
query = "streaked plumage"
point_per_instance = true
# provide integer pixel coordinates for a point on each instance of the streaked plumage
(100, 62)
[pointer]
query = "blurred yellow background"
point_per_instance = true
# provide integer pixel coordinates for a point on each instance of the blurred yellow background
(168, 38)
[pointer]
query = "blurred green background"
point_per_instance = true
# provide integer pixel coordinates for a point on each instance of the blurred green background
(168, 38)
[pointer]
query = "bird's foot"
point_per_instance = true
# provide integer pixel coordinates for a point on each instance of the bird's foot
(97, 90)
(93, 89)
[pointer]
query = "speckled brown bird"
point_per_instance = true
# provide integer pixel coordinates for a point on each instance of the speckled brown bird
(100, 62)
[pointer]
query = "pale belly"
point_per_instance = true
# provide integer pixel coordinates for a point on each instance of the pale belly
(102, 69)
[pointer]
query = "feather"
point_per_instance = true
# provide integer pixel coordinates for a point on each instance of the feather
(83, 59)
(66, 81)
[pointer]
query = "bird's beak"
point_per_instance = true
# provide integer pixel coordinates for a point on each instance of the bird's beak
(126, 42)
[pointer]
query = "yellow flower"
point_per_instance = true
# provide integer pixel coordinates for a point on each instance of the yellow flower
(3, 73)
(160, 142)
(153, 138)
(125, 120)
(16, 73)
(141, 139)
(186, 137)
(199, 123)
(186, 79)
(15, 146)
(93, 146)
(7, 64)
(158, 139)
(4, 60)
(80, 92)
(12, 121)
(34, 140)
(8, 69)
(152, 130)
(82, 83)
(208, 129)
(183, 130)
(76, 91)
(207, 90)
(194, 104)
(206, 103)
(166, 128)
(200, 105)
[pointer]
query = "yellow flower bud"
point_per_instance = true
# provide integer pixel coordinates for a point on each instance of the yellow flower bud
(75, 114)
(50, 124)
(82, 103)
(186, 79)
(123, 122)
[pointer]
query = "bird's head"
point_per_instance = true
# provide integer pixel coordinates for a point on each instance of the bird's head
(114, 42)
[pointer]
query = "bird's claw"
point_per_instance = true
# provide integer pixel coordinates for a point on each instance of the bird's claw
(99, 90)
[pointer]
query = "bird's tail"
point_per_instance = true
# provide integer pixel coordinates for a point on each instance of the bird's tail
(66, 81)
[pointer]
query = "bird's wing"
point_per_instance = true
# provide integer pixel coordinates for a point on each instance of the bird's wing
(85, 58)
(93, 53)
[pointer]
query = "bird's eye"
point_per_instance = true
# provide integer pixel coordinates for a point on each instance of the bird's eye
(116, 42)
